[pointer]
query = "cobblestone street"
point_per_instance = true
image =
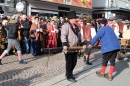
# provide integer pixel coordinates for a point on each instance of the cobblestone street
(36, 70)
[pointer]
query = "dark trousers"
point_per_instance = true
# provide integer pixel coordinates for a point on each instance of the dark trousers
(71, 60)
(87, 51)
(25, 44)
(109, 56)
(35, 47)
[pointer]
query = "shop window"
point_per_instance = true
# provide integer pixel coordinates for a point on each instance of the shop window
(1, 1)
(96, 16)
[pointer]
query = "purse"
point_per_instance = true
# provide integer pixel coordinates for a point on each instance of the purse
(32, 36)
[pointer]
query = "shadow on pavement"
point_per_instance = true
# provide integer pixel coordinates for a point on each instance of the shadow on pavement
(96, 57)
(15, 78)
(121, 65)
(40, 56)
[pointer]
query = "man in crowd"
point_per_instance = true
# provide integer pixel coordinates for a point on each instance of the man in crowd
(87, 32)
(25, 27)
(70, 37)
(109, 45)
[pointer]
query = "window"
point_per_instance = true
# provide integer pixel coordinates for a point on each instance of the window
(1, 1)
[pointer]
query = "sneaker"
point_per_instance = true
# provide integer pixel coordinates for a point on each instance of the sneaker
(22, 62)
(108, 77)
(88, 63)
(100, 74)
(72, 80)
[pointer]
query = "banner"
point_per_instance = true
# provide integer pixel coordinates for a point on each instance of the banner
(83, 3)
(79, 3)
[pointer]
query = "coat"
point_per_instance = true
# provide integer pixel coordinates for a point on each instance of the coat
(87, 32)
(26, 27)
(52, 37)
(108, 39)
(12, 28)
(69, 36)
(33, 30)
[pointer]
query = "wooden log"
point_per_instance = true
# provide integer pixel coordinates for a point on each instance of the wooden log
(81, 47)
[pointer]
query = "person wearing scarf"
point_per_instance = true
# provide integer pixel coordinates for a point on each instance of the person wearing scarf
(35, 46)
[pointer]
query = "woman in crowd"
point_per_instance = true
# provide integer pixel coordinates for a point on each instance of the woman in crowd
(5, 32)
(52, 35)
(43, 40)
(12, 28)
(35, 29)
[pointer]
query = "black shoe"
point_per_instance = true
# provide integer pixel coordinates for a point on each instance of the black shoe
(88, 63)
(73, 77)
(27, 52)
(72, 80)
(34, 55)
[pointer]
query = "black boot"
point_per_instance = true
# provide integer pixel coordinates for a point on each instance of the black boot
(0, 62)
(87, 62)
(84, 59)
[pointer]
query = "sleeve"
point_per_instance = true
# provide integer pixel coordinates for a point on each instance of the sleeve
(99, 35)
(93, 32)
(124, 28)
(64, 34)
(4, 31)
(33, 31)
(26, 26)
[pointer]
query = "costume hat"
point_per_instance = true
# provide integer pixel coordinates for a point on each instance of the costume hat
(72, 14)
(103, 21)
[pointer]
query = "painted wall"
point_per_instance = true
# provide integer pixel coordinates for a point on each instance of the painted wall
(100, 3)
(107, 3)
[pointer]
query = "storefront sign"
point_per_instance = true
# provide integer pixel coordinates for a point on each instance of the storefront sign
(19, 6)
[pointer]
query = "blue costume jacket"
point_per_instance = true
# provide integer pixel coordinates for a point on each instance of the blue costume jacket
(108, 39)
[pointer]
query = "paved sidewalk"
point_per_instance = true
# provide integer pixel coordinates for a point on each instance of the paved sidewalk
(36, 70)
(86, 76)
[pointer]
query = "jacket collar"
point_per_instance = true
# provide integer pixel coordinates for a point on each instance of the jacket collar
(74, 30)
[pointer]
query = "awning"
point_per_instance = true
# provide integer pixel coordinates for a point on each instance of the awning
(43, 11)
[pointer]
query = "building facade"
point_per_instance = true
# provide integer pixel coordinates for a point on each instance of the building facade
(59, 8)
(111, 8)
(48, 7)
(8, 7)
